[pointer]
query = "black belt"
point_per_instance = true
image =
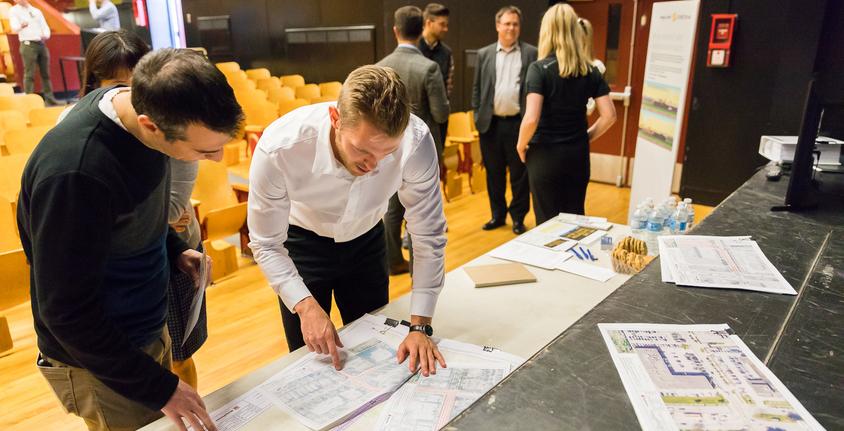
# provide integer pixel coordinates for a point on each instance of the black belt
(28, 42)
(508, 117)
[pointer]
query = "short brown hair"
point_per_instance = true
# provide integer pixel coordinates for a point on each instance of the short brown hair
(508, 9)
(375, 94)
(434, 10)
(408, 22)
(180, 87)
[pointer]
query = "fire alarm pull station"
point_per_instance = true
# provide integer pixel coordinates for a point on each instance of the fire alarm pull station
(721, 39)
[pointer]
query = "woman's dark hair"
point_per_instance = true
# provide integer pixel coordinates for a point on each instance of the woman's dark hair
(108, 54)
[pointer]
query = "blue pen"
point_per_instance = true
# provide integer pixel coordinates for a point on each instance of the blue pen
(575, 253)
(583, 252)
(591, 256)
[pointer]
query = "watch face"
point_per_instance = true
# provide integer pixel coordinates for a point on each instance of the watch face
(429, 330)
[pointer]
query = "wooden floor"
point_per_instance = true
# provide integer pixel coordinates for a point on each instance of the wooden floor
(244, 322)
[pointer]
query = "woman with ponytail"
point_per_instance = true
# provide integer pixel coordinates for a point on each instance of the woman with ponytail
(554, 135)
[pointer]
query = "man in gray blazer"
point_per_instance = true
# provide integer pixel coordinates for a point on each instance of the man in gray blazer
(426, 91)
(498, 98)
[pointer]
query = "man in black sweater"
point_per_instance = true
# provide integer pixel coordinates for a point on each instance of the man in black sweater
(92, 215)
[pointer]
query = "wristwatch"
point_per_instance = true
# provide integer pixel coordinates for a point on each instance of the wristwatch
(425, 329)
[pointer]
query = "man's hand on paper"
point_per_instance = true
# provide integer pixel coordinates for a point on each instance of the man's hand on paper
(423, 353)
(318, 330)
(186, 403)
(189, 262)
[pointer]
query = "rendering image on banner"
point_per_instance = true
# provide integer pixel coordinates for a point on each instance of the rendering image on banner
(656, 128)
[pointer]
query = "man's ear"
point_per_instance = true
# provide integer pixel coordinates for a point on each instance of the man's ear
(334, 116)
(146, 123)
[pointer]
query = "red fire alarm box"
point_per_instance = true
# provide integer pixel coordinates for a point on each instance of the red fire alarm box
(721, 39)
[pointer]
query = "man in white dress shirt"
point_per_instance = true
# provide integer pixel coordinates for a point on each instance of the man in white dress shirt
(320, 181)
(105, 13)
(33, 32)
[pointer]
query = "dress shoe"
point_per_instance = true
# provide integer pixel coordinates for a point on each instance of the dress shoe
(492, 224)
(402, 267)
(519, 227)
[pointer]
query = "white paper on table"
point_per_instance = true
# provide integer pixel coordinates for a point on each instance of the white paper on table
(664, 264)
(196, 302)
(587, 270)
(545, 240)
(699, 377)
(239, 411)
(529, 255)
(600, 223)
(594, 236)
(320, 397)
(721, 262)
(428, 403)
(665, 259)
(555, 227)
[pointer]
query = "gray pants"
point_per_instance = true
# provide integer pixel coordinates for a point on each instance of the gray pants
(36, 53)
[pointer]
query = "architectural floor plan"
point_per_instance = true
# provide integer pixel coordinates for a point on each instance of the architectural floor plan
(701, 377)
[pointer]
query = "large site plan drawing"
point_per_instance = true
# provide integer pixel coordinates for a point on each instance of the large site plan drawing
(320, 396)
(700, 377)
(428, 403)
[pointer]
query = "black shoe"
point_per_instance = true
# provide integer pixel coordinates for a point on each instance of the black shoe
(400, 268)
(53, 102)
(519, 227)
(493, 224)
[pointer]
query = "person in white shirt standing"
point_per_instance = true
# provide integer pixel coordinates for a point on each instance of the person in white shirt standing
(33, 31)
(105, 13)
(320, 181)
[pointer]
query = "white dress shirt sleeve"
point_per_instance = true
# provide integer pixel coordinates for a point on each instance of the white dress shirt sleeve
(45, 29)
(268, 219)
(420, 195)
(14, 22)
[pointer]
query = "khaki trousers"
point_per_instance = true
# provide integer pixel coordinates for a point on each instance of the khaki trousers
(35, 54)
(83, 395)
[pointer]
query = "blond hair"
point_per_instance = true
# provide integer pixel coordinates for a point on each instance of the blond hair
(561, 35)
(586, 41)
(377, 95)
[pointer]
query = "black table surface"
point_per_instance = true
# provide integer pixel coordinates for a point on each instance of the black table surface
(572, 384)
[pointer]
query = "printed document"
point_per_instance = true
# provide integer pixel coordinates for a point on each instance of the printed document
(701, 377)
(720, 262)
(198, 296)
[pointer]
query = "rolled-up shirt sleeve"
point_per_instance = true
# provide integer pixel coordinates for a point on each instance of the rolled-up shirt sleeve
(420, 194)
(268, 219)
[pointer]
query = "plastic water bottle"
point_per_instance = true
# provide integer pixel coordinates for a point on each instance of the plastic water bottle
(691, 210)
(656, 221)
(639, 220)
(679, 220)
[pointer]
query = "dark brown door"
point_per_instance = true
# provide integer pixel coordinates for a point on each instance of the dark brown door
(612, 21)
(621, 42)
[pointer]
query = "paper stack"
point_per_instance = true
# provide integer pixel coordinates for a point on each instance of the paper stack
(723, 262)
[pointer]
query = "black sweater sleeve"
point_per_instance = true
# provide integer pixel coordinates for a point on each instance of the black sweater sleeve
(175, 245)
(71, 216)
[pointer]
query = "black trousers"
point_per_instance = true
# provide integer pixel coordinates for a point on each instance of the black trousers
(498, 148)
(354, 271)
(558, 175)
(392, 231)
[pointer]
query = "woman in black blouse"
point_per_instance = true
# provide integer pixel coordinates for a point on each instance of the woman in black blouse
(554, 136)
